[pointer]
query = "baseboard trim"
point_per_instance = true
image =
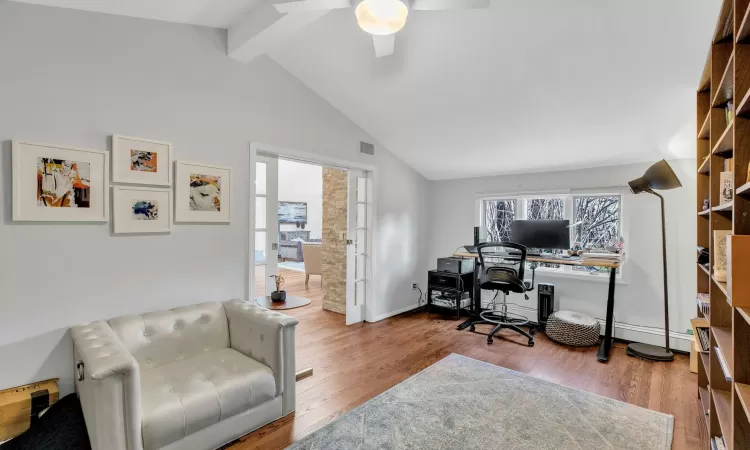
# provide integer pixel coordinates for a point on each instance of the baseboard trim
(396, 312)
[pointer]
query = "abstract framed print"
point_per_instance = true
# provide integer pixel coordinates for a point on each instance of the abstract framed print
(141, 210)
(141, 161)
(59, 184)
(202, 193)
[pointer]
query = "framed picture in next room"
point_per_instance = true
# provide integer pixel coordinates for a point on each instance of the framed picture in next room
(202, 193)
(141, 161)
(59, 184)
(141, 210)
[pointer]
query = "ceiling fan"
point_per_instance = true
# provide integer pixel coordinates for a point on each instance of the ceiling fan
(381, 18)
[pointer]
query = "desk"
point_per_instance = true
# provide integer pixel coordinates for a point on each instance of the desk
(606, 345)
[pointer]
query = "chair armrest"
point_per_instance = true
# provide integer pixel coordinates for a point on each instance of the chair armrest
(108, 383)
(267, 337)
(101, 351)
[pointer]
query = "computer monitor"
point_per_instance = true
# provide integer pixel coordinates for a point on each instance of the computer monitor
(541, 234)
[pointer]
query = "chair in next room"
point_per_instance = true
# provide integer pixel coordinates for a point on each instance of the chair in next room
(501, 266)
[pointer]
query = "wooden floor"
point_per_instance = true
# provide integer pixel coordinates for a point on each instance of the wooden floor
(353, 364)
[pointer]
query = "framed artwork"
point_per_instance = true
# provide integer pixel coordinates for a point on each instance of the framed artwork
(141, 161)
(59, 184)
(141, 210)
(202, 193)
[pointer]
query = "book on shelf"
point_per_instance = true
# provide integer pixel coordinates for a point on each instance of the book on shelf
(702, 300)
(723, 363)
(713, 444)
(720, 443)
(703, 338)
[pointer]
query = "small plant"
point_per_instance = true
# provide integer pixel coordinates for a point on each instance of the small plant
(279, 281)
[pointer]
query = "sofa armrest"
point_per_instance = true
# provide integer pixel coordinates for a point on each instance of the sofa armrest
(108, 383)
(267, 337)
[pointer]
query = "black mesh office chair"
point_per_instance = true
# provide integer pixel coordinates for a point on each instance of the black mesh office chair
(502, 267)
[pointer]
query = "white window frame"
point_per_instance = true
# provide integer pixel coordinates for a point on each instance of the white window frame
(521, 200)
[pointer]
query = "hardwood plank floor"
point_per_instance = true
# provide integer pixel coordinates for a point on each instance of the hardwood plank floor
(353, 364)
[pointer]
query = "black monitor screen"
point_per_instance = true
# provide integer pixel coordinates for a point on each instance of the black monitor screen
(541, 234)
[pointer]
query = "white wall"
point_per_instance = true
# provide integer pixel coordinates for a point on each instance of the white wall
(74, 78)
(640, 300)
(300, 182)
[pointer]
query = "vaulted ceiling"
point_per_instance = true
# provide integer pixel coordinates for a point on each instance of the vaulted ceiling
(525, 86)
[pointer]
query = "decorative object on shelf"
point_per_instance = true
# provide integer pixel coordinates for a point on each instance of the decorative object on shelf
(657, 177)
(59, 184)
(278, 295)
(726, 189)
(202, 193)
(141, 210)
(703, 256)
(706, 204)
(729, 112)
(573, 328)
(720, 255)
(141, 161)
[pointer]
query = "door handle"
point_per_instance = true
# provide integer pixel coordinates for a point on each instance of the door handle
(274, 246)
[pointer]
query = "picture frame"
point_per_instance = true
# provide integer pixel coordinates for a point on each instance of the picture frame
(202, 193)
(141, 161)
(53, 183)
(141, 210)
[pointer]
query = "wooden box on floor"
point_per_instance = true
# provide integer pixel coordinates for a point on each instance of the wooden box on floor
(723, 145)
(16, 406)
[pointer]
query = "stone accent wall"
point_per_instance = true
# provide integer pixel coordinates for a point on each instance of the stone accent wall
(335, 186)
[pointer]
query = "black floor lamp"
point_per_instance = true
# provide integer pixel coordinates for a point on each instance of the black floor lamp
(660, 177)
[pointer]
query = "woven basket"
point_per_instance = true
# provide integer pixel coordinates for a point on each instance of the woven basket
(572, 328)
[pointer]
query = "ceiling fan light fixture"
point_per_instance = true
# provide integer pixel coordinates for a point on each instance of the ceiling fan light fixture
(381, 17)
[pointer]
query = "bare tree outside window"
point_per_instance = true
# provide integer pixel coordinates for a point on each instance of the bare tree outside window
(550, 208)
(498, 215)
(601, 224)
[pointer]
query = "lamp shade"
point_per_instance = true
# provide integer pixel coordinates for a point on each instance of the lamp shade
(659, 176)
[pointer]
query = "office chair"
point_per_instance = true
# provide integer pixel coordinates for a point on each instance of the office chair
(504, 275)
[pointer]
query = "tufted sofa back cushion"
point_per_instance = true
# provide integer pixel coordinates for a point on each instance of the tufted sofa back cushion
(163, 337)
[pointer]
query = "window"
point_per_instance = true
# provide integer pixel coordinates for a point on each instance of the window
(498, 214)
(598, 218)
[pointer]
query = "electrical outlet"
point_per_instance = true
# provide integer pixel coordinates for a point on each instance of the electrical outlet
(414, 286)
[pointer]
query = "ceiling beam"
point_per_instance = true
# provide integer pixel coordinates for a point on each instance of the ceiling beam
(263, 28)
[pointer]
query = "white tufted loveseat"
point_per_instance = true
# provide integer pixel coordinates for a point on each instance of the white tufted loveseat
(194, 377)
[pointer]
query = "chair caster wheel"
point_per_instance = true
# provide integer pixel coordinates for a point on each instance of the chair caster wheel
(471, 328)
(489, 341)
(531, 343)
(532, 331)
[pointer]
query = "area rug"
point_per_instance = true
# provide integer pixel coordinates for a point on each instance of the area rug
(462, 403)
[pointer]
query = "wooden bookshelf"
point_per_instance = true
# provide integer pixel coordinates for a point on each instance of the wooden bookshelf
(723, 145)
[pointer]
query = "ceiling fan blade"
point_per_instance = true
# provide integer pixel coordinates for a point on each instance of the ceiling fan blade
(311, 5)
(384, 45)
(439, 5)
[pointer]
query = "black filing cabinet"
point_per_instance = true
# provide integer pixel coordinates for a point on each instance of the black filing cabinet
(453, 283)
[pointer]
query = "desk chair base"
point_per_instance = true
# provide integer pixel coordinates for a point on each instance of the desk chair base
(504, 320)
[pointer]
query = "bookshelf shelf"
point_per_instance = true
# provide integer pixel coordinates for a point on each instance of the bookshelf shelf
(723, 207)
(705, 130)
(725, 89)
(721, 285)
(743, 393)
(723, 145)
(723, 403)
(723, 338)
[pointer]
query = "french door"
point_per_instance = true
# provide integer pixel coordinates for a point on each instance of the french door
(359, 249)
(266, 224)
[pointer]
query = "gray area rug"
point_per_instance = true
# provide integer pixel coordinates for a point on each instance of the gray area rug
(462, 403)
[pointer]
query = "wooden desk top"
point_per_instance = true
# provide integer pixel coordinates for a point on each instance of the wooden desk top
(562, 261)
